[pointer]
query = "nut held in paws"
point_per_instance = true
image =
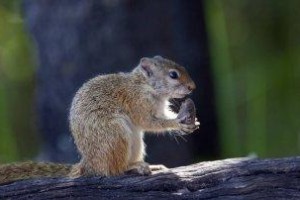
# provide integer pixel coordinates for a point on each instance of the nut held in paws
(187, 112)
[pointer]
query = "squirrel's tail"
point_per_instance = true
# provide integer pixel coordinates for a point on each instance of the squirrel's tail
(26, 170)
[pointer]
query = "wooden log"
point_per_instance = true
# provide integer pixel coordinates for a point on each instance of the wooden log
(237, 178)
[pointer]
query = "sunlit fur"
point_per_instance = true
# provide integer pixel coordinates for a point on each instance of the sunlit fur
(110, 113)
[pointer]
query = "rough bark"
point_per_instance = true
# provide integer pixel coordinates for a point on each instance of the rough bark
(237, 178)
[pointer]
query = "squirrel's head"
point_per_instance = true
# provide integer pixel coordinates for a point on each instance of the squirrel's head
(166, 77)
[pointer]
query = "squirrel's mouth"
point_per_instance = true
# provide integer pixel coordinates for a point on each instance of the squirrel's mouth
(179, 94)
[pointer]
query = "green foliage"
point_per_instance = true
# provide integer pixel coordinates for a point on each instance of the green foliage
(16, 85)
(254, 47)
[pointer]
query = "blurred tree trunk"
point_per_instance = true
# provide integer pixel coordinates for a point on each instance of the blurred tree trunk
(77, 40)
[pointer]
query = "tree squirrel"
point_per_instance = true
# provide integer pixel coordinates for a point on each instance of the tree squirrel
(108, 117)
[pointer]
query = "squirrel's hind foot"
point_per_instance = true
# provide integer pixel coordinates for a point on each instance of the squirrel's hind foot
(141, 168)
(158, 167)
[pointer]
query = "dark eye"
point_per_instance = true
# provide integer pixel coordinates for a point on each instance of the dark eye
(173, 74)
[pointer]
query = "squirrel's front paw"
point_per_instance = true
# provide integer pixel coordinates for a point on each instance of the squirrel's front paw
(188, 128)
(141, 168)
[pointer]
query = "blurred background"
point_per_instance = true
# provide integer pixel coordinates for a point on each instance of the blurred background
(242, 54)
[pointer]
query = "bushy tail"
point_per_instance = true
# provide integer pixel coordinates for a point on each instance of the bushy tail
(28, 170)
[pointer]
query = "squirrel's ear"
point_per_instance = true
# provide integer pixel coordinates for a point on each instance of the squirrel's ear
(146, 65)
(158, 57)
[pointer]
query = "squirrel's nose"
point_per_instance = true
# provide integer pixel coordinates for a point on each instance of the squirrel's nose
(191, 86)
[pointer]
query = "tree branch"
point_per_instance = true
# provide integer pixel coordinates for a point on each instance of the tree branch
(238, 178)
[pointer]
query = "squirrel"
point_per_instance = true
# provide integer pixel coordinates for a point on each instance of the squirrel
(108, 117)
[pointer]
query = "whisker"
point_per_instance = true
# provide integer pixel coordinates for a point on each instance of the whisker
(180, 134)
(183, 138)
(173, 136)
(176, 139)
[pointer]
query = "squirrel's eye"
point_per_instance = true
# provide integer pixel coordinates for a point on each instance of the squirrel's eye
(173, 74)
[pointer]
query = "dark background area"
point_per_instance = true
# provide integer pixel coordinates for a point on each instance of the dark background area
(243, 56)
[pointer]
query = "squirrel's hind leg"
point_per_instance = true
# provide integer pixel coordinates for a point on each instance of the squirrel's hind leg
(105, 155)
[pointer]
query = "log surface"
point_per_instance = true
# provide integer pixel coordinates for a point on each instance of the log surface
(237, 178)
